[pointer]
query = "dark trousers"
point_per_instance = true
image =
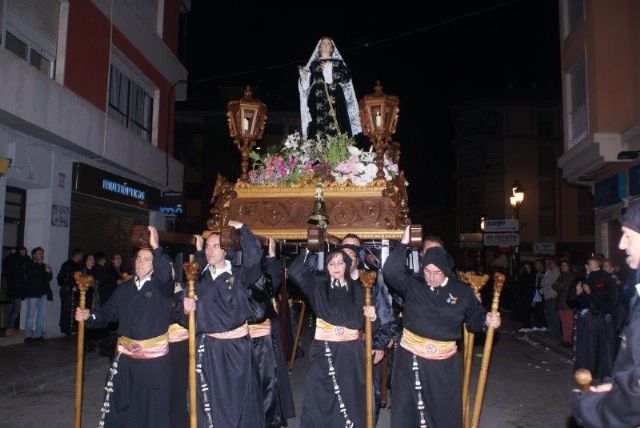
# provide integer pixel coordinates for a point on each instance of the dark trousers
(553, 318)
(538, 315)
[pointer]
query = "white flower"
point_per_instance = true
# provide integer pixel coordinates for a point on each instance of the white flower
(353, 150)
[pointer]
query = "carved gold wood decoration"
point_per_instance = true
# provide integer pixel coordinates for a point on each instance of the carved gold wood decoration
(281, 212)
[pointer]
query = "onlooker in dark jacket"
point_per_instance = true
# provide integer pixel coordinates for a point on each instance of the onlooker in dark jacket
(68, 292)
(38, 277)
(523, 296)
(15, 270)
(561, 286)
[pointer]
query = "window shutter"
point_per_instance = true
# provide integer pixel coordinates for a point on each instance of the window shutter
(35, 22)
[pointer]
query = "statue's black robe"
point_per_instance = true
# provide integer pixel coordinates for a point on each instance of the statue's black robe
(141, 388)
(434, 316)
(338, 307)
(320, 107)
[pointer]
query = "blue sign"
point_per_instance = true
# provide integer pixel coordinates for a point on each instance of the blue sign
(634, 180)
(609, 191)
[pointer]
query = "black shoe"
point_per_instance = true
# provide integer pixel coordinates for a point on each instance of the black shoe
(28, 340)
(38, 339)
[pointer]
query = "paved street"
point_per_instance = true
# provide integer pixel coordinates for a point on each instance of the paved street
(528, 387)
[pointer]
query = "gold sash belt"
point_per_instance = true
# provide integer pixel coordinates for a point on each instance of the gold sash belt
(144, 349)
(260, 330)
(426, 348)
(334, 333)
(177, 333)
(236, 333)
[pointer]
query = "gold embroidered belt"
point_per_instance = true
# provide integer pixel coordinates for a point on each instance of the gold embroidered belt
(260, 330)
(144, 349)
(334, 333)
(426, 348)
(236, 333)
(177, 333)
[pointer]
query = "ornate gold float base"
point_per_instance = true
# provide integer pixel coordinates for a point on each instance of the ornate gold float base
(377, 211)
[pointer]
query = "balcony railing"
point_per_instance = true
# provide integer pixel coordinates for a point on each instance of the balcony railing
(578, 126)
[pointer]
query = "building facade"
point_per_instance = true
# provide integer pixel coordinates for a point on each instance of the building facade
(518, 138)
(600, 60)
(86, 123)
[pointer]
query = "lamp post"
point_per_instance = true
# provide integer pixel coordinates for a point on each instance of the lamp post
(246, 118)
(516, 199)
(379, 117)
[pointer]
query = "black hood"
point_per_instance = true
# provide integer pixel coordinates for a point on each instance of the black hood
(631, 219)
(438, 257)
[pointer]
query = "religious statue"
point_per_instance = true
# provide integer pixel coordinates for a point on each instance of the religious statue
(328, 103)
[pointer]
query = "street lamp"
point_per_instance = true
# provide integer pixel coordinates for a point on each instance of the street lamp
(379, 117)
(517, 198)
(246, 118)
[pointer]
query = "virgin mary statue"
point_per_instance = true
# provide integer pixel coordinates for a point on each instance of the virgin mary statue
(328, 103)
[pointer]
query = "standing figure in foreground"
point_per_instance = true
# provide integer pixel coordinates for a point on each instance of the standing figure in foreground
(139, 380)
(427, 368)
(617, 403)
(334, 390)
(229, 384)
(328, 103)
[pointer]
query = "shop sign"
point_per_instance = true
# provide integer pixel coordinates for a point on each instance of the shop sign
(96, 182)
(501, 239)
(634, 180)
(502, 225)
(609, 191)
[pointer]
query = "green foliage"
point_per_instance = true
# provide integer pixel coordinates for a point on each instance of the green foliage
(337, 149)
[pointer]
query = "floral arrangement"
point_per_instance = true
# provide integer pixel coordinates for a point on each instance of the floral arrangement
(299, 160)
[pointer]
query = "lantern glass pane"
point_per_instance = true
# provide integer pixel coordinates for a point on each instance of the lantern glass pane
(376, 115)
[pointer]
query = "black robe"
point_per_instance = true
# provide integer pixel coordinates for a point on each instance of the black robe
(141, 388)
(439, 316)
(339, 307)
(322, 122)
(179, 355)
(229, 376)
(68, 296)
(274, 270)
(621, 406)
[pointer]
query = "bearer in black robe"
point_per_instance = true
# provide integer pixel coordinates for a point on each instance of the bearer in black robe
(617, 403)
(139, 380)
(427, 370)
(274, 271)
(260, 299)
(229, 383)
(179, 353)
(334, 390)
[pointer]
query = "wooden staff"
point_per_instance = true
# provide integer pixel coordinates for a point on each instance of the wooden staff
(368, 278)
(498, 282)
(467, 362)
(191, 271)
(476, 282)
(583, 377)
(84, 282)
(303, 306)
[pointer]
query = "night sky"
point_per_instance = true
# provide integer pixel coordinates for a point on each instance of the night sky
(432, 58)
